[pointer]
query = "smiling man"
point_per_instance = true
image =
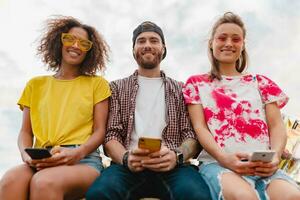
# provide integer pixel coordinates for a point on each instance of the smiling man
(149, 104)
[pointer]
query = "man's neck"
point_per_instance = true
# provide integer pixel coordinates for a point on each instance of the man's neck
(150, 73)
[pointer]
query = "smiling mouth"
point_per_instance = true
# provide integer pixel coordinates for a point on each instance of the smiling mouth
(228, 50)
(73, 53)
(147, 53)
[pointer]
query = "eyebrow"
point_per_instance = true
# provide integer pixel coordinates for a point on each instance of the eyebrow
(151, 38)
(231, 34)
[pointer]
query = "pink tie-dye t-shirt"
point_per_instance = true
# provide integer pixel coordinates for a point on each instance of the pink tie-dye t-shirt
(234, 109)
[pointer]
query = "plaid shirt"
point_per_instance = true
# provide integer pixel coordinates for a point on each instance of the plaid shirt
(122, 108)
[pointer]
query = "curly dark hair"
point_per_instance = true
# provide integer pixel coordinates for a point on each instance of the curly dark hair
(50, 47)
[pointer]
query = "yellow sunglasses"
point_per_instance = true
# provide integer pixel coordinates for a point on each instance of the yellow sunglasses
(69, 40)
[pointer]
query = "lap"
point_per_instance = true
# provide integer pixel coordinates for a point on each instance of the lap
(186, 181)
(213, 172)
(71, 181)
(68, 175)
(116, 182)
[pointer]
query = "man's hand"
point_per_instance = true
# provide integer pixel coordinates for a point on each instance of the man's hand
(135, 158)
(160, 161)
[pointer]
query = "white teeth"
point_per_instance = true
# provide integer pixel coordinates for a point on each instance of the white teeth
(72, 53)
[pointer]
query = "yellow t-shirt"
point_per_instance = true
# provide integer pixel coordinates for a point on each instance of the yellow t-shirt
(61, 111)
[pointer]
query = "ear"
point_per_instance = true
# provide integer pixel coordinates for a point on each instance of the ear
(133, 53)
(210, 44)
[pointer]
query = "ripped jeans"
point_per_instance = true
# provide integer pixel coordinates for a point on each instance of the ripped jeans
(211, 173)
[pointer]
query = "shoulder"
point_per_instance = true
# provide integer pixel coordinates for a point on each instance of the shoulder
(122, 83)
(261, 78)
(199, 78)
(173, 82)
(97, 79)
(38, 80)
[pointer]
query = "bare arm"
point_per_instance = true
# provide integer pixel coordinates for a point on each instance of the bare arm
(277, 131)
(278, 138)
(115, 151)
(189, 148)
(25, 138)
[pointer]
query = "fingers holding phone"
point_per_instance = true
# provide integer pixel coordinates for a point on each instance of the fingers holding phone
(161, 161)
(34, 156)
(62, 156)
(135, 158)
(267, 161)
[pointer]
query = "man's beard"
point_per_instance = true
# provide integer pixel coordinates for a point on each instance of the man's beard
(148, 64)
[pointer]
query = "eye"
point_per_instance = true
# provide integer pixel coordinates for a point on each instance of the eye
(222, 38)
(154, 40)
(69, 38)
(85, 43)
(141, 41)
(236, 39)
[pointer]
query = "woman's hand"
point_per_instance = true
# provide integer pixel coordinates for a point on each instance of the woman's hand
(266, 169)
(61, 156)
(27, 159)
(161, 161)
(238, 162)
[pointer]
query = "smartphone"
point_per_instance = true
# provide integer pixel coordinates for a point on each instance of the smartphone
(264, 156)
(38, 153)
(152, 144)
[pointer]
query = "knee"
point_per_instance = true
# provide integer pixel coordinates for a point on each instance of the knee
(41, 183)
(245, 195)
(293, 196)
(8, 180)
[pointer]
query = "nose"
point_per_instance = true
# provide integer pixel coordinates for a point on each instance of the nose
(228, 42)
(75, 44)
(147, 44)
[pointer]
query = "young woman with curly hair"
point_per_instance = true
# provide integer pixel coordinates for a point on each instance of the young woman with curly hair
(65, 113)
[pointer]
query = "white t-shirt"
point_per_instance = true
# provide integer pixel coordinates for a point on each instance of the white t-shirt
(150, 110)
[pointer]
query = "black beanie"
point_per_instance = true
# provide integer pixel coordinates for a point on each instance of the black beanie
(148, 26)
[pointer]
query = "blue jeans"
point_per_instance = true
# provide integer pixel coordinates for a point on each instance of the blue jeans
(211, 173)
(118, 183)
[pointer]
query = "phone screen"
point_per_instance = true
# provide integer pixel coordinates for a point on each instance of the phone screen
(38, 153)
(152, 144)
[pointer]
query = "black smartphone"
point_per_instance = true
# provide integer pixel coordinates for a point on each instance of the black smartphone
(38, 153)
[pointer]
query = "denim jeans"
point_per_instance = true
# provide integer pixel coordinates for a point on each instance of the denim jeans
(116, 183)
(212, 172)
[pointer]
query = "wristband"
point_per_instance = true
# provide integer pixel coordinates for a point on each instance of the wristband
(125, 159)
(179, 157)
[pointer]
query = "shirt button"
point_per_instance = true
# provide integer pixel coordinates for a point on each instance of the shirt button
(130, 116)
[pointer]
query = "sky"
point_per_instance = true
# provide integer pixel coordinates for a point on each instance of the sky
(272, 41)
